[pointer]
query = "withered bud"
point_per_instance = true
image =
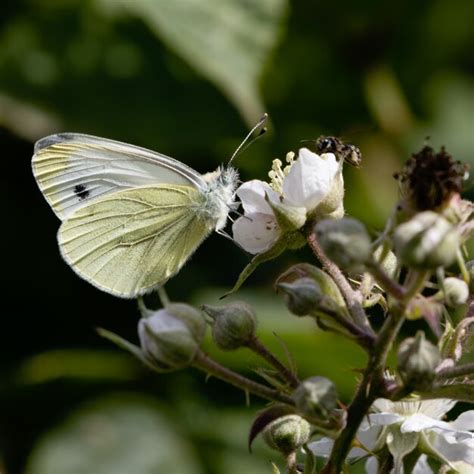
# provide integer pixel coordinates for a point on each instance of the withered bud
(233, 325)
(345, 241)
(417, 361)
(287, 434)
(316, 398)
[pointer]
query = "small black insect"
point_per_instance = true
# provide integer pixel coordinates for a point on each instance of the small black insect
(81, 192)
(349, 153)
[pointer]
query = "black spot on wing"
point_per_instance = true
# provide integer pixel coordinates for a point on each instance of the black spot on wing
(81, 191)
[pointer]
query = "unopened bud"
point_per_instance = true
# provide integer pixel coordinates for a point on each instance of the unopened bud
(170, 337)
(456, 291)
(233, 325)
(316, 398)
(345, 241)
(301, 296)
(287, 434)
(389, 262)
(426, 241)
(417, 361)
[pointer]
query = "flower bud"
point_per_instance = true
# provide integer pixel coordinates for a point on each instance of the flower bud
(334, 200)
(316, 398)
(301, 296)
(456, 291)
(287, 434)
(171, 337)
(345, 241)
(233, 325)
(289, 218)
(389, 263)
(417, 361)
(426, 241)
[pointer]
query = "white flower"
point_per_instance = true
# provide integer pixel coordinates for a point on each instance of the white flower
(406, 425)
(305, 183)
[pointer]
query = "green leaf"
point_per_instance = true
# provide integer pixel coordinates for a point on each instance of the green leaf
(122, 434)
(227, 41)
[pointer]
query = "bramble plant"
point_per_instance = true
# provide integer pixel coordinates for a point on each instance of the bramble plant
(416, 268)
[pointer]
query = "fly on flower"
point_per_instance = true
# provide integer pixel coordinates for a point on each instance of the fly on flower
(345, 151)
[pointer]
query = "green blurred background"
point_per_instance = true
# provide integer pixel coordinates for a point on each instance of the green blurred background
(188, 78)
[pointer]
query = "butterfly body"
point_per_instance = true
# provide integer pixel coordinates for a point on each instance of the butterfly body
(130, 217)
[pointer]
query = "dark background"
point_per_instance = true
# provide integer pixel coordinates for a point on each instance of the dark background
(384, 75)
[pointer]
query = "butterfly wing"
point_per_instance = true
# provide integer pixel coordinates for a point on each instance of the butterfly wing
(130, 241)
(72, 169)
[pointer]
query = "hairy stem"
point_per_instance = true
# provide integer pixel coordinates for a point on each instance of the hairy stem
(372, 384)
(256, 346)
(458, 371)
(353, 298)
(203, 362)
(291, 465)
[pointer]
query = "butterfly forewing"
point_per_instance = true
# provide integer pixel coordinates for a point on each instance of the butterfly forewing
(135, 239)
(73, 169)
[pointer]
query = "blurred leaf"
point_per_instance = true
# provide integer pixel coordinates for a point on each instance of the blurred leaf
(77, 363)
(120, 434)
(228, 41)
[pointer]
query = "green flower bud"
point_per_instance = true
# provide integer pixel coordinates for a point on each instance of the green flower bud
(389, 263)
(417, 361)
(301, 296)
(170, 337)
(233, 325)
(456, 291)
(287, 434)
(345, 241)
(316, 398)
(426, 241)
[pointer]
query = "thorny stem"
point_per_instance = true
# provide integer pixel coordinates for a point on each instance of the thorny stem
(459, 371)
(256, 346)
(372, 384)
(203, 362)
(353, 298)
(291, 463)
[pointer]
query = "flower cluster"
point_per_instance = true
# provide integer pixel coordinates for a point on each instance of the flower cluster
(311, 184)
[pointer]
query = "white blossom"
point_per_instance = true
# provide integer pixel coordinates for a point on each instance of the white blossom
(305, 183)
(407, 425)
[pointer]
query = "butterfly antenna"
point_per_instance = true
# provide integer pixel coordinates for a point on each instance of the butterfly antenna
(248, 140)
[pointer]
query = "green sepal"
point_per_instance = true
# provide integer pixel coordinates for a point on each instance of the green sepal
(289, 218)
(463, 392)
(129, 347)
(290, 240)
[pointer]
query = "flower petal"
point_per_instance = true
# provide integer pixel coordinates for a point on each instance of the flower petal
(422, 466)
(383, 419)
(310, 179)
(419, 422)
(453, 449)
(255, 232)
(464, 422)
(252, 195)
(323, 448)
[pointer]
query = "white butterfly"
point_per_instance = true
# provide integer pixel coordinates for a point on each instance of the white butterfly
(130, 217)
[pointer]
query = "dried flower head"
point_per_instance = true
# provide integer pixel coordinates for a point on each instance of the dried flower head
(429, 179)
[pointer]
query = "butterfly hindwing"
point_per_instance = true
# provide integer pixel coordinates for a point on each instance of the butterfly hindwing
(130, 241)
(73, 169)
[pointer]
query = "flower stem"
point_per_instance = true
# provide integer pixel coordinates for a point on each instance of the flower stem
(386, 281)
(291, 463)
(372, 384)
(353, 298)
(256, 346)
(203, 362)
(458, 371)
